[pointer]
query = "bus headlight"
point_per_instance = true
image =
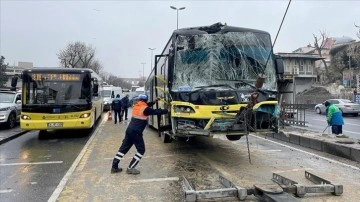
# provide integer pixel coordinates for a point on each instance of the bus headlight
(183, 109)
(25, 117)
(86, 115)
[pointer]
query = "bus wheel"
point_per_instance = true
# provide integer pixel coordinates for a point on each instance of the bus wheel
(43, 135)
(233, 137)
(165, 137)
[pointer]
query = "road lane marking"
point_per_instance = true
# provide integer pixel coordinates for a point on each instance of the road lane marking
(147, 157)
(348, 131)
(270, 150)
(156, 180)
(5, 191)
(315, 155)
(30, 163)
(353, 124)
(66, 177)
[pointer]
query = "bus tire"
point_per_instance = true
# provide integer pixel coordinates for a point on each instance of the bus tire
(43, 135)
(166, 138)
(233, 137)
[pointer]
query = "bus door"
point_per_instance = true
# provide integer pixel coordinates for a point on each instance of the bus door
(162, 122)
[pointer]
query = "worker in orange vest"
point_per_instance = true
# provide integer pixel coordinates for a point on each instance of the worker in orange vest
(134, 134)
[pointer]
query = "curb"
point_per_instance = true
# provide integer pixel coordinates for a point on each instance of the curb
(7, 139)
(337, 149)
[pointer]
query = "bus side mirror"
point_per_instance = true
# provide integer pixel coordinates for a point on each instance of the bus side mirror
(14, 81)
(96, 89)
(280, 68)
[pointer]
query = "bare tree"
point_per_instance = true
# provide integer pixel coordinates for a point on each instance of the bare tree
(3, 76)
(79, 55)
(319, 44)
(96, 66)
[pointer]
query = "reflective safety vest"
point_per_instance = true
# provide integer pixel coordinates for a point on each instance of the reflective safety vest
(138, 110)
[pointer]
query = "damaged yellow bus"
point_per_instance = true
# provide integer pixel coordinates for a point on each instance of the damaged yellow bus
(207, 77)
(60, 99)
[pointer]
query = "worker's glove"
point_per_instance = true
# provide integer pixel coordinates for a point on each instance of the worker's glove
(165, 111)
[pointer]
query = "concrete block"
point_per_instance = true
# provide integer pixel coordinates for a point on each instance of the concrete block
(355, 154)
(337, 150)
(295, 139)
(278, 135)
(304, 141)
(316, 144)
(284, 137)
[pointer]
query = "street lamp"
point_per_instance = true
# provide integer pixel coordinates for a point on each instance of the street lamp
(143, 63)
(177, 14)
(152, 50)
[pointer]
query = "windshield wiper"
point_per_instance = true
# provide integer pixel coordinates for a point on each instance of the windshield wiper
(263, 91)
(209, 86)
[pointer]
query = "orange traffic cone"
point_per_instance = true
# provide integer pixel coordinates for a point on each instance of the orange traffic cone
(109, 116)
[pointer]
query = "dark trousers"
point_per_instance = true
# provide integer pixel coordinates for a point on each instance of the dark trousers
(336, 129)
(125, 112)
(131, 138)
(117, 114)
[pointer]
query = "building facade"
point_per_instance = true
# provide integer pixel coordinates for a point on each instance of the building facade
(299, 74)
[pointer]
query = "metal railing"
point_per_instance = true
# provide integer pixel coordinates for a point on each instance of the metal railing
(293, 114)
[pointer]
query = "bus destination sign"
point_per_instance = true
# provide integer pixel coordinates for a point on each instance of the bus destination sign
(55, 77)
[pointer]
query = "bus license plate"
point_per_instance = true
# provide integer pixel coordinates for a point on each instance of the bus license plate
(52, 125)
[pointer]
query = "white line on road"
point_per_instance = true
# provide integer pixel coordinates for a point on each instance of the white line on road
(346, 123)
(145, 157)
(156, 180)
(5, 191)
(30, 163)
(321, 157)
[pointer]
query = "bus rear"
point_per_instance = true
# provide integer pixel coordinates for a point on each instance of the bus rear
(57, 99)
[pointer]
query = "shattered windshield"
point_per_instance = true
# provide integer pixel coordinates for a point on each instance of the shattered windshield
(211, 59)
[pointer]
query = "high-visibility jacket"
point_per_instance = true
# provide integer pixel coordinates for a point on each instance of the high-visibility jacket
(140, 112)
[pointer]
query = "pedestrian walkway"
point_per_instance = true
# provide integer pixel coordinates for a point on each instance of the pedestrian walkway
(89, 178)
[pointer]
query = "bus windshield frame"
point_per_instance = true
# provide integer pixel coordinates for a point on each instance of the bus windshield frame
(69, 92)
(223, 58)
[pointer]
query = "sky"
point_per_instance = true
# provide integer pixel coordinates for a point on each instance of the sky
(123, 31)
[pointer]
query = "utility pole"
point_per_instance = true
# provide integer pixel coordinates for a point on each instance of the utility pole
(143, 63)
(152, 51)
(177, 14)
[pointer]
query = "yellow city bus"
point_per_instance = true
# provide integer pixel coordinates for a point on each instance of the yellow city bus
(60, 99)
(206, 77)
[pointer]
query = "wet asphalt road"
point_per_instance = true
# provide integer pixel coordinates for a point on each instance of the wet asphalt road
(318, 123)
(30, 169)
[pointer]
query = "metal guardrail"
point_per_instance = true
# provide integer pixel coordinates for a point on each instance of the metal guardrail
(293, 114)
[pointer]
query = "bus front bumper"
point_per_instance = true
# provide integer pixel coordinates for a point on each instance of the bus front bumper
(82, 123)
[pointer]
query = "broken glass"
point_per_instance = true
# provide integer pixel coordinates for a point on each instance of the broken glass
(210, 59)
